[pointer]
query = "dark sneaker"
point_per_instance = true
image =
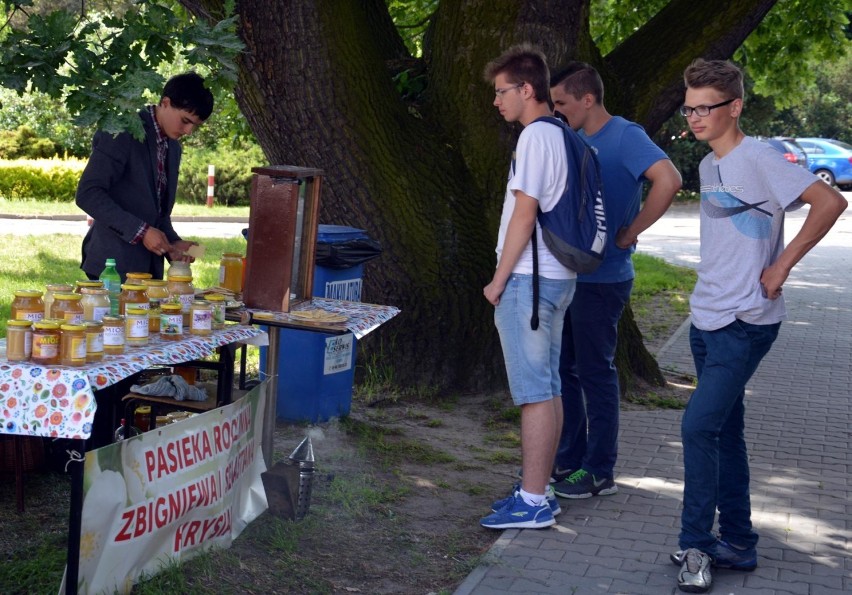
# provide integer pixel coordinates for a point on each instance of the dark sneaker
(694, 575)
(555, 509)
(726, 556)
(556, 474)
(582, 484)
(520, 515)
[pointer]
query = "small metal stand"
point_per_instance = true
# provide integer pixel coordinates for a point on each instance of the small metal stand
(288, 484)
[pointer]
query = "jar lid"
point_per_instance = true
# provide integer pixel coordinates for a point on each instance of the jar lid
(233, 254)
(154, 282)
(138, 276)
(82, 284)
(30, 293)
(92, 324)
(94, 291)
(73, 327)
(215, 297)
(144, 409)
(201, 304)
(47, 325)
(56, 321)
(113, 319)
(136, 311)
(170, 307)
(181, 278)
(68, 296)
(132, 287)
(20, 323)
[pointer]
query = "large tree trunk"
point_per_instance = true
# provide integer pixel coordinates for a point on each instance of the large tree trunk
(427, 179)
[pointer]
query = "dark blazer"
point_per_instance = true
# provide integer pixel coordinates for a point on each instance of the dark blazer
(118, 190)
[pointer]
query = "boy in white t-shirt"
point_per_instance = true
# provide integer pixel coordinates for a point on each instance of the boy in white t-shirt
(737, 308)
(537, 178)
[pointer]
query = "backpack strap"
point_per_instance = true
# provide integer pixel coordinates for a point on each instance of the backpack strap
(534, 317)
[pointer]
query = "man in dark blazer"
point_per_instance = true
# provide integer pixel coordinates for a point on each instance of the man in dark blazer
(128, 186)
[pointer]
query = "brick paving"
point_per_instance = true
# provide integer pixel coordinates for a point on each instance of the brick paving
(798, 430)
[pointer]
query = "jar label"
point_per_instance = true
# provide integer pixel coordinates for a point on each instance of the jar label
(137, 328)
(171, 324)
(78, 348)
(114, 336)
(186, 300)
(140, 305)
(94, 342)
(221, 274)
(98, 312)
(45, 346)
(31, 316)
(202, 320)
(73, 317)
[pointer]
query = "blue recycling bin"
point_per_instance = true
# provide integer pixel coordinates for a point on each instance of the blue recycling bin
(316, 370)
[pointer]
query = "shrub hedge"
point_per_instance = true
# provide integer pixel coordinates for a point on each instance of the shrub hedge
(56, 180)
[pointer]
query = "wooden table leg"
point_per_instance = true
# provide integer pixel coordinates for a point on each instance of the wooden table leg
(18, 443)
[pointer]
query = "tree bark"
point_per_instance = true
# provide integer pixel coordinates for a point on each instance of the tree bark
(427, 178)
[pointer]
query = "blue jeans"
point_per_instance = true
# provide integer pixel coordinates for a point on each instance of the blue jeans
(715, 460)
(590, 391)
(532, 356)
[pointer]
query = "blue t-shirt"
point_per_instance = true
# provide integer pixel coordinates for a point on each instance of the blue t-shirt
(624, 152)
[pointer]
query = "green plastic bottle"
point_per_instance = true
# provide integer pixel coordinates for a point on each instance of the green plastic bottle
(112, 282)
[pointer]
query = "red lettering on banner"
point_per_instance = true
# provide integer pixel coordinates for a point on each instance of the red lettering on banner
(178, 455)
(124, 532)
(195, 533)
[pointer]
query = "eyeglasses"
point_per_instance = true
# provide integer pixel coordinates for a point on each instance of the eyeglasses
(702, 110)
(499, 92)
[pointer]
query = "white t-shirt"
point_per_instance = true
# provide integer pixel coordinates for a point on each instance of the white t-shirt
(743, 198)
(539, 169)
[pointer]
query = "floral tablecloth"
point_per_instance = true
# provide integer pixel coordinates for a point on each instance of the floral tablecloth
(59, 401)
(361, 318)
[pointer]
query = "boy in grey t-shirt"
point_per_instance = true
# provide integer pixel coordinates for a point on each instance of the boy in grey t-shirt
(737, 308)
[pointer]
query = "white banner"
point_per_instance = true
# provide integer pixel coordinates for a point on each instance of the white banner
(171, 493)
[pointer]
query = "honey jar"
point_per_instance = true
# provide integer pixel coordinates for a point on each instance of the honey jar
(113, 334)
(142, 417)
(80, 285)
(217, 304)
(180, 287)
(132, 296)
(231, 272)
(72, 345)
(95, 302)
(67, 307)
(136, 326)
(19, 340)
(27, 305)
(158, 292)
(45, 343)
(201, 318)
(137, 278)
(51, 290)
(94, 341)
(171, 322)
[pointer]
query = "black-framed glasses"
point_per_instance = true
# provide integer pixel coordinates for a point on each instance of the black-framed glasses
(499, 92)
(702, 110)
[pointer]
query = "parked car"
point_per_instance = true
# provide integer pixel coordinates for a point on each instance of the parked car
(830, 159)
(788, 147)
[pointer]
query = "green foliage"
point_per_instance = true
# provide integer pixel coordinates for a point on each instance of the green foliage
(102, 64)
(24, 143)
(412, 18)
(233, 174)
(48, 118)
(55, 184)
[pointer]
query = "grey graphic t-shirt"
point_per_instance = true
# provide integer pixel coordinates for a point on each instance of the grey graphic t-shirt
(743, 198)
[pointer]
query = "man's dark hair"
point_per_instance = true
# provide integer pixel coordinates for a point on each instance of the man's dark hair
(579, 78)
(522, 63)
(187, 92)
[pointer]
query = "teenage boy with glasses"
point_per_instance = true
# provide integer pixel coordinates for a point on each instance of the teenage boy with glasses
(737, 308)
(537, 179)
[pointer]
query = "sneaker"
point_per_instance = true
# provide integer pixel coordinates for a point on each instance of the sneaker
(582, 484)
(694, 575)
(519, 515)
(556, 474)
(555, 509)
(726, 556)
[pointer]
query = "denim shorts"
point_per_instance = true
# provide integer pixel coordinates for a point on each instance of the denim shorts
(532, 356)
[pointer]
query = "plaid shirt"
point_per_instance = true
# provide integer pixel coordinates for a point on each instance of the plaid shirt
(162, 181)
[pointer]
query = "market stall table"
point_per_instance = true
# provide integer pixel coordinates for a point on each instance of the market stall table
(361, 319)
(59, 402)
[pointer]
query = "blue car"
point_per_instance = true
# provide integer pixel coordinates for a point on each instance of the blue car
(830, 159)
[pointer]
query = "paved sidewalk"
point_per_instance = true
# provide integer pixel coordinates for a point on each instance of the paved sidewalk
(798, 430)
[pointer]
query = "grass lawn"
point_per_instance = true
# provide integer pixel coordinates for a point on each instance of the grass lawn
(34, 208)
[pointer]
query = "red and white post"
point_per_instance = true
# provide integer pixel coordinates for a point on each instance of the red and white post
(211, 179)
